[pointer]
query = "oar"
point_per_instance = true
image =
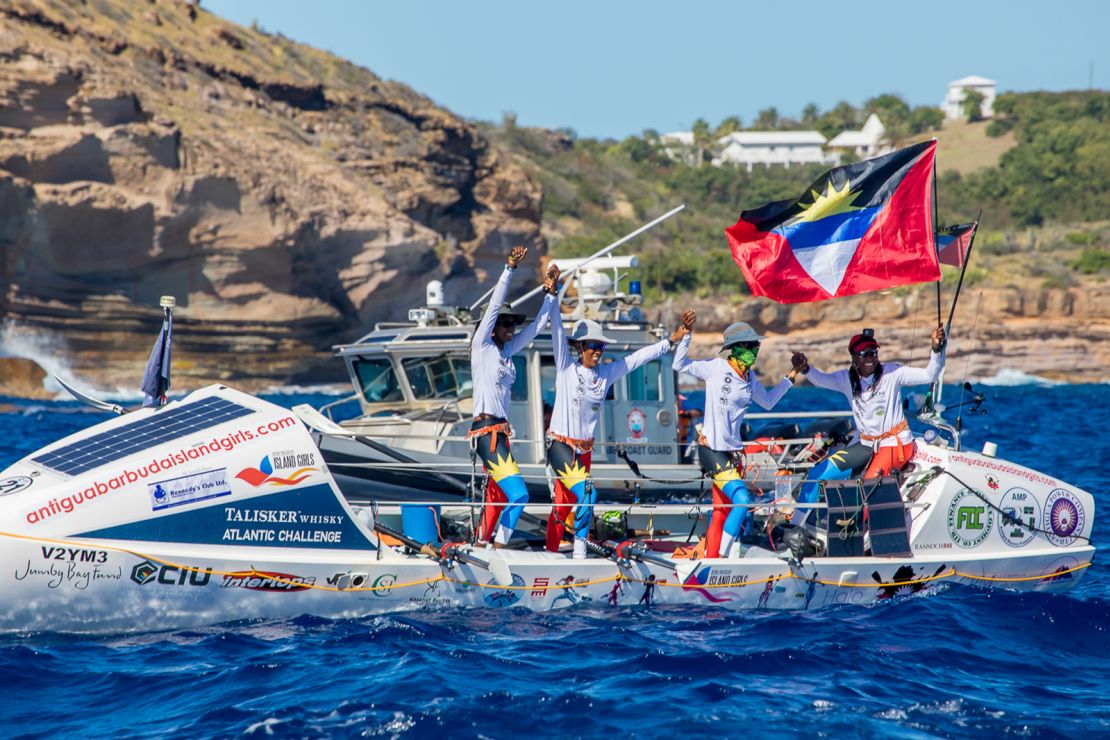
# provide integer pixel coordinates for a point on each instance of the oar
(614, 551)
(638, 551)
(596, 255)
(496, 566)
(86, 399)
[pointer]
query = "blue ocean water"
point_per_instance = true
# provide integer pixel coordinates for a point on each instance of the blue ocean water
(959, 662)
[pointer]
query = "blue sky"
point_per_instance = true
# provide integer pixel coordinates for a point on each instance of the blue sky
(608, 69)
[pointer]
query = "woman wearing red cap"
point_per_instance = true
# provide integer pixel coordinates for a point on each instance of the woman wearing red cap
(873, 389)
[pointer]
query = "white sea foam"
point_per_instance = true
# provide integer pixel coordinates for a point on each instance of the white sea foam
(49, 351)
(1010, 376)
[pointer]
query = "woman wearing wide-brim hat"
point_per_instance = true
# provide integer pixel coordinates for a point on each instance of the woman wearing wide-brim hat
(580, 389)
(493, 373)
(730, 387)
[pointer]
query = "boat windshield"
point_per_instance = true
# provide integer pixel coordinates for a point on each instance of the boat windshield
(443, 377)
(377, 381)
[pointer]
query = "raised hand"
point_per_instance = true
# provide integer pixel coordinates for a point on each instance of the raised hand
(516, 255)
(551, 282)
(800, 362)
(939, 338)
(688, 318)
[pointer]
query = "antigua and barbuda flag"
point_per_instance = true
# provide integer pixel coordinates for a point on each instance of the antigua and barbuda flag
(953, 243)
(860, 227)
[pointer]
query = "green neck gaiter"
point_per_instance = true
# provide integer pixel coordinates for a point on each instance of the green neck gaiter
(745, 356)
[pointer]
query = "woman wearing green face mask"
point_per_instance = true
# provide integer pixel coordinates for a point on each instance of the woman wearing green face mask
(730, 387)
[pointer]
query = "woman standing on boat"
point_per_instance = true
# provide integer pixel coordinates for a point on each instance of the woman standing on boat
(730, 387)
(580, 390)
(493, 374)
(873, 390)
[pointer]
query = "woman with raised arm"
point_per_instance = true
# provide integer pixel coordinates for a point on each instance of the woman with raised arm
(873, 390)
(730, 387)
(580, 389)
(493, 374)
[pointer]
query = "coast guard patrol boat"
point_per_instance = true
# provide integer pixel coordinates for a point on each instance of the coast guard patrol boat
(412, 385)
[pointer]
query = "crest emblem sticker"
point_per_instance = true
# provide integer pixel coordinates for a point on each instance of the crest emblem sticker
(970, 520)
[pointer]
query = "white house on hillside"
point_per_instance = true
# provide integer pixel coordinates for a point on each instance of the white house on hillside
(870, 141)
(679, 145)
(750, 148)
(957, 91)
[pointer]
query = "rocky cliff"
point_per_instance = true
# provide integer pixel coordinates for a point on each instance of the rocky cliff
(1058, 334)
(287, 198)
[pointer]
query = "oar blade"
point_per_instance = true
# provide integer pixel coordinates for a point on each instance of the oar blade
(500, 570)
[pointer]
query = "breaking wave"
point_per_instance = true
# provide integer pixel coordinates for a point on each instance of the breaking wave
(1009, 376)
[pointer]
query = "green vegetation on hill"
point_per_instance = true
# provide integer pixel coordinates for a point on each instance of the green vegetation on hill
(1041, 203)
(1059, 171)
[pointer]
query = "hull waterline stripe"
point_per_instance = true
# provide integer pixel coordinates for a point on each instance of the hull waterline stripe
(951, 573)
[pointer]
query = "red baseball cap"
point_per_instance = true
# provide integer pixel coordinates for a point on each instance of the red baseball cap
(860, 342)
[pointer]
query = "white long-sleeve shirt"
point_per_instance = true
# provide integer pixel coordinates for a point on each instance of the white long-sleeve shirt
(580, 391)
(727, 396)
(491, 367)
(877, 410)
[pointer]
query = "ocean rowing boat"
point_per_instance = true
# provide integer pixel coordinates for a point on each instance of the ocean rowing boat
(219, 506)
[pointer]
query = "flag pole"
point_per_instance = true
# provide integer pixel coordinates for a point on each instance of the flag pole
(936, 243)
(938, 386)
(963, 269)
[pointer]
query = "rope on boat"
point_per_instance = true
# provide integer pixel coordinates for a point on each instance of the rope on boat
(950, 573)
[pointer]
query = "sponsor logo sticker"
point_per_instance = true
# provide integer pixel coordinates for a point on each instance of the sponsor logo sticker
(383, 584)
(637, 423)
(1064, 517)
(188, 489)
(265, 473)
(169, 575)
(1022, 513)
(501, 598)
(15, 484)
(267, 581)
(970, 520)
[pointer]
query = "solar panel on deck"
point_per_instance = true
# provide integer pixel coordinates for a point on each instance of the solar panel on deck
(164, 426)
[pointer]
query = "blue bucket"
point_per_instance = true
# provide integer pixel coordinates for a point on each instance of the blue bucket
(420, 522)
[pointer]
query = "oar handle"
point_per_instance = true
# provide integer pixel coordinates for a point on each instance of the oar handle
(638, 551)
(614, 550)
(456, 552)
(407, 541)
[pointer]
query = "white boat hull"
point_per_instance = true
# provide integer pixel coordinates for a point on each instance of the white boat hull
(214, 535)
(102, 587)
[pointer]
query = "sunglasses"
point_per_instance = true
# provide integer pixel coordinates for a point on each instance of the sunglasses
(747, 345)
(594, 346)
(506, 322)
(868, 353)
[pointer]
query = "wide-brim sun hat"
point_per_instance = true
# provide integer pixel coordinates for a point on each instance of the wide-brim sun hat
(506, 310)
(585, 330)
(739, 332)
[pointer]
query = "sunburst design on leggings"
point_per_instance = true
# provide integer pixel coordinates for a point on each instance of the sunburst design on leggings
(502, 468)
(573, 474)
(721, 476)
